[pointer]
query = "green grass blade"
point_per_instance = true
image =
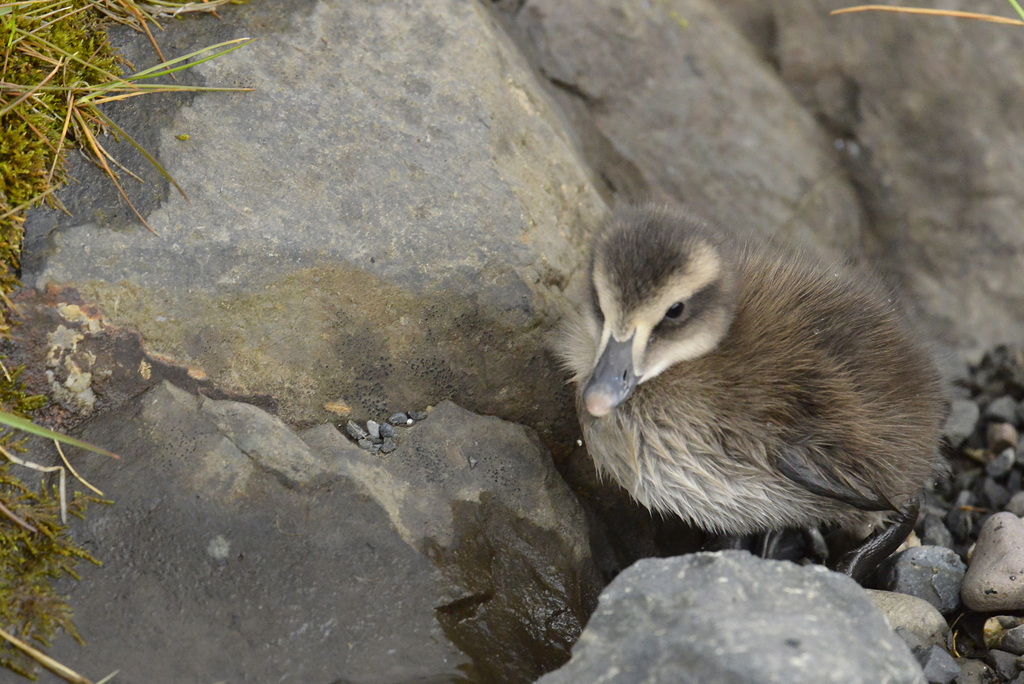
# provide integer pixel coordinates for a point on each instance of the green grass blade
(152, 160)
(1016, 6)
(19, 423)
(162, 68)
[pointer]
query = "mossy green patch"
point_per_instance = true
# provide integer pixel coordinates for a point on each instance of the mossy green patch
(30, 560)
(37, 40)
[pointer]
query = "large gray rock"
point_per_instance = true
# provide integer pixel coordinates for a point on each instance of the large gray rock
(924, 102)
(731, 617)
(481, 499)
(236, 551)
(386, 221)
(670, 101)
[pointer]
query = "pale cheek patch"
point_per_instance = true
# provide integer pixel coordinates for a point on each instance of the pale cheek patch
(710, 333)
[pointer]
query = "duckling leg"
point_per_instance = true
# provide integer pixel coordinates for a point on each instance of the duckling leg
(730, 542)
(816, 543)
(862, 559)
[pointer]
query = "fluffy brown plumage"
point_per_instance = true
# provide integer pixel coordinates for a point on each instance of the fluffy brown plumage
(745, 387)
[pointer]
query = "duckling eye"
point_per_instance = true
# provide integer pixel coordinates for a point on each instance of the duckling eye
(675, 311)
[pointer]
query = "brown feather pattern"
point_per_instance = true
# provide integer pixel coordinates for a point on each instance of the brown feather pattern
(817, 366)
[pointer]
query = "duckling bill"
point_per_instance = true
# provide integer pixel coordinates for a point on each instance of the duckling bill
(748, 388)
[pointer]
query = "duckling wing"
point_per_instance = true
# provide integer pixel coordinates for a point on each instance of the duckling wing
(828, 482)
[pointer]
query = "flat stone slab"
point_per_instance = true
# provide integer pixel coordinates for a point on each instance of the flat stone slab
(223, 564)
(386, 221)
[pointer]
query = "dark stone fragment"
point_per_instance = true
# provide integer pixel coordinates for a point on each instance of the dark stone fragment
(366, 443)
(939, 667)
(355, 431)
(388, 446)
(1005, 664)
(387, 430)
(1013, 640)
(966, 479)
(399, 419)
(994, 495)
(959, 521)
(932, 573)
(1014, 482)
(418, 415)
(936, 533)
(1001, 464)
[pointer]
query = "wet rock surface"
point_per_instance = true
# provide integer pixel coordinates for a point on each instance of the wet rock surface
(237, 551)
(728, 616)
(480, 498)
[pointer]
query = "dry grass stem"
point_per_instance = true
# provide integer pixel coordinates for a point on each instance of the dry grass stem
(62, 671)
(995, 19)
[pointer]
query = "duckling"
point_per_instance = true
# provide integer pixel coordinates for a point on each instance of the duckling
(748, 388)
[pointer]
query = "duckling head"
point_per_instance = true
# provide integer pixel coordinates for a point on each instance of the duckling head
(662, 293)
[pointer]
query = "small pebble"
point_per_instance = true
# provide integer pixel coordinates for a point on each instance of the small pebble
(996, 627)
(388, 446)
(1014, 483)
(936, 533)
(387, 430)
(357, 433)
(999, 436)
(418, 415)
(915, 620)
(472, 462)
(995, 578)
(1001, 464)
(400, 419)
(373, 427)
(932, 573)
(939, 667)
(974, 672)
(958, 520)
(1002, 410)
(1013, 640)
(1016, 505)
(994, 495)
(1005, 664)
(963, 417)
(366, 443)
(966, 479)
